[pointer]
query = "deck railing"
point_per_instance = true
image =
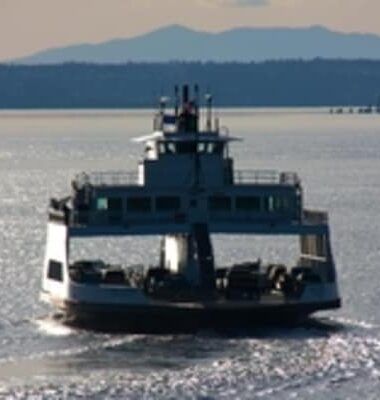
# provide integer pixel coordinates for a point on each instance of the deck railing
(107, 178)
(241, 177)
(314, 217)
(248, 177)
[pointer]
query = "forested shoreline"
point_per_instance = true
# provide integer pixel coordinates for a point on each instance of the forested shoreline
(289, 83)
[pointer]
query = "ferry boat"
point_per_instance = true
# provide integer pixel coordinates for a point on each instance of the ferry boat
(185, 190)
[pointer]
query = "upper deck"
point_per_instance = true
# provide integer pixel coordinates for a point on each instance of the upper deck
(186, 177)
(125, 179)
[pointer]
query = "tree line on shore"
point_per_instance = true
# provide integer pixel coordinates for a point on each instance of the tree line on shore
(285, 83)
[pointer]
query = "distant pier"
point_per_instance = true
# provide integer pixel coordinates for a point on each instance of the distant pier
(370, 109)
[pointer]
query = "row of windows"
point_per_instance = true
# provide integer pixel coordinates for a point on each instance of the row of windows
(191, 147)
(249, 203)
(139, 204)
(215, 203)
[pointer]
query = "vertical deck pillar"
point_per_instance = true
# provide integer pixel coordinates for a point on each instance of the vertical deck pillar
(205, 256)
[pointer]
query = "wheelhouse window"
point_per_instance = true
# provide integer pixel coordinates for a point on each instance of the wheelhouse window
(166, 148)
(186, 147)
(211, 147)
(139, 204)
(168, 203)
(216, 147)
(191, 147)
(219, 203)
(170, 148)
(248, 203)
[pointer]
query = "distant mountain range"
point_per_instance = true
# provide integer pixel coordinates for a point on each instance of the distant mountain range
(177, 43)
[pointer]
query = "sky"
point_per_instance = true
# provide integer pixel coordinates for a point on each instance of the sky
(27, 26)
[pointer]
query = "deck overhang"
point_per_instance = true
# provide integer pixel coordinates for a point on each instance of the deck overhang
(214, 228)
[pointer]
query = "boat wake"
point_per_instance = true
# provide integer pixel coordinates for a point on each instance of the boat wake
(52, 326)
(325, 353)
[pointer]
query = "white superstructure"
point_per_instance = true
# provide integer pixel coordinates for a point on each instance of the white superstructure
(185, 189)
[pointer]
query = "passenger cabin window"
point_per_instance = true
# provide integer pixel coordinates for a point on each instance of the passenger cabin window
(269, 204)
(202, 147)
(219, 203)
(248, 203)
(113, 204)
(55, 271)
(276, 204)
(139, 204)
(281, 203)
(168, 203)
(102, 204)
(115, 210)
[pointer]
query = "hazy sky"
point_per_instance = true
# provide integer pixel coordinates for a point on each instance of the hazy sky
(30, 25)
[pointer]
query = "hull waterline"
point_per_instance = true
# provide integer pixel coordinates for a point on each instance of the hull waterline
(161, 319)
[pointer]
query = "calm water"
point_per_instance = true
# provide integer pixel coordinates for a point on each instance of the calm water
(338, 158)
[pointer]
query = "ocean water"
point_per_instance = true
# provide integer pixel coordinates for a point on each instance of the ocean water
(336, 356)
